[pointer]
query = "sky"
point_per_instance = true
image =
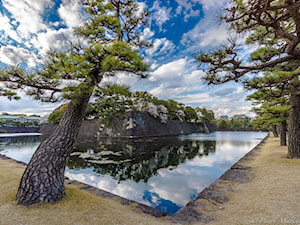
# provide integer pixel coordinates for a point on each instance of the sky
(178, 30)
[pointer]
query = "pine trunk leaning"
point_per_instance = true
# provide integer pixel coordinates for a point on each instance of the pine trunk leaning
(43, 179)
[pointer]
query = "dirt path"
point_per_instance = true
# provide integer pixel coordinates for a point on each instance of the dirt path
(273, 194)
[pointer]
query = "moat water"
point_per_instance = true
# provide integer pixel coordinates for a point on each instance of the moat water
(164, 173)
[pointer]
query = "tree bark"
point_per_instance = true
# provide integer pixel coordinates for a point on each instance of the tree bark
(274, 130)
(294, 121)
(283, 129)
(43, 179)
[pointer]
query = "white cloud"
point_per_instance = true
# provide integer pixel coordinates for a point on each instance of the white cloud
(172, 70)
(12, 55)
(69, 11)
(147, 34)
(208, 32)
(161, 46)
(168, 80)
(181, 80)
(229, 100)
(160, 14)
(26, 35)
(175, 78)
(52, 39)
(207, 5)
(26, 105)
(230, 108)
(198, 98)
(164, 92)
(28, 15)
(187, 8)
(7, 29)
(24, 27)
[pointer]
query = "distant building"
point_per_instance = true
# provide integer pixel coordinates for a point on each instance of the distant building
(224, 118)
(23, 119)
(239, 117)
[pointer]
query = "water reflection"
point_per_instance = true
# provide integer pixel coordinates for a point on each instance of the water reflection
(137, 160)
(19, 147)
(164, 173)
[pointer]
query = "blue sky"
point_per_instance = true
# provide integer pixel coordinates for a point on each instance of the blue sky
(178, 29)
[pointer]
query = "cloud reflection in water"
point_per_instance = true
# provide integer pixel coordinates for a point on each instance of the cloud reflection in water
(165, 173)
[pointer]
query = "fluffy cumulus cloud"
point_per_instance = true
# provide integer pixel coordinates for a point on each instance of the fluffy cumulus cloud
(187, 8)
(160, 14)
(69, 11)
(161, 47)
(27, 15)
(12, 55)
(167, 81)
(209, 32)
(147, 34)
(52, 39)
(29, 28)
(230, 100)
(27, 31)
(26, 105)
(182, 81)
(174, 78)
(227, 99)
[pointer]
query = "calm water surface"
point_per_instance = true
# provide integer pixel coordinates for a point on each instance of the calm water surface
(164, 173)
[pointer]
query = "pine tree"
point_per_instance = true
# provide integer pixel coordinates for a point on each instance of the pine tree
(273, 99)
(111, 33)
(274, 26)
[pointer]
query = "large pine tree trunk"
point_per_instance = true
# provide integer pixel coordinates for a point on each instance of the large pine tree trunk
(43, 179)
(294, 121)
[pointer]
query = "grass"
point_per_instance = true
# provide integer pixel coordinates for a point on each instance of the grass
(78, 207)
(272, 196)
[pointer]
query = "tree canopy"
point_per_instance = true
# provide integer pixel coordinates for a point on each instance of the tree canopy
(111, 34)
(109, 41)
(272, 28)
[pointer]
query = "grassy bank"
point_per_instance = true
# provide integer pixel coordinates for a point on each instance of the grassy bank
(271, 197)
(78, 207)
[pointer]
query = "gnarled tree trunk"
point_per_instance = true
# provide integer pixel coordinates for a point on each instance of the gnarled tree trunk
(43, 179)
(294, 121)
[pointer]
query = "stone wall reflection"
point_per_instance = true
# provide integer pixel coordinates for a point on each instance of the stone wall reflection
(136, 159)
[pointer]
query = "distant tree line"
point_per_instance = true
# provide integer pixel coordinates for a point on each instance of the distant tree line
(12, 123)
(235, 122)
(272, 30)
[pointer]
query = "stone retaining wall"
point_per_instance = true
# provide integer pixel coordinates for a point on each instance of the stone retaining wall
(136, 124)
(20, 129)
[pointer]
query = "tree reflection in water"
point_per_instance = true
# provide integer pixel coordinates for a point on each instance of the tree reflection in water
(136, 159)
(164, 173)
